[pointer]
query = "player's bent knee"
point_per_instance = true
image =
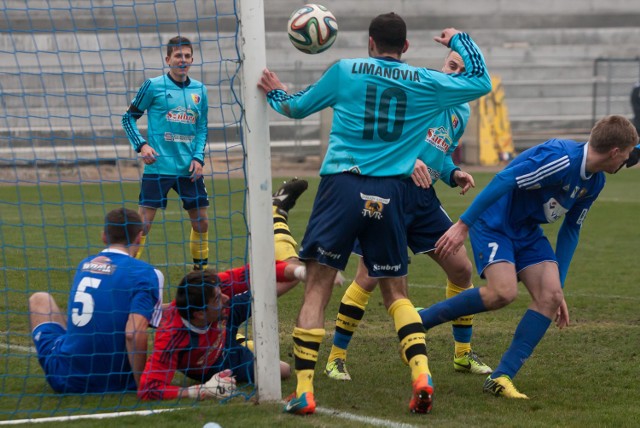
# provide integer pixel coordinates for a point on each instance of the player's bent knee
(40, 302)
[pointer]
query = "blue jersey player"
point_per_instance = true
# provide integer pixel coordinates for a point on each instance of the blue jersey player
(173, 153)
(381, 107)
(426, 220)
(101, 345)
(544, 183)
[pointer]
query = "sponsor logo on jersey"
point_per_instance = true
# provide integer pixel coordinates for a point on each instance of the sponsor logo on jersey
(182, 115)
(100, 265)
(373, 206)
(195, 98)
(435, 175)
(553, 210)
(439, 138)
(177, 138)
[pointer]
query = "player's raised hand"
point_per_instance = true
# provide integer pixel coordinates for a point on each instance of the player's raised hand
(445, 36)
(451, 241)
(464, 180)
(420, 175)
(270, 81)
(148, 154)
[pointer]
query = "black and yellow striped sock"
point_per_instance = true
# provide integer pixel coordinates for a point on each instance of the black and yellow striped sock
(352, 307)
(306, 344)
(412, 336)
(462, 327)
(285, 245)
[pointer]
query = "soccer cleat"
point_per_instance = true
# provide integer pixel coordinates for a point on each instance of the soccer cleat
(470, 362)
(286, 196)
(303, 405)
(502, 386)
(337, 370)
(422, 400)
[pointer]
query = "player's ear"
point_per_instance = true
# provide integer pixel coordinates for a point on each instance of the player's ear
(104, 238)
(406, 46)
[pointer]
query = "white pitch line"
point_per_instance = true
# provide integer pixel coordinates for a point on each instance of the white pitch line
(25, 349)
(95, 416)
(364, 419)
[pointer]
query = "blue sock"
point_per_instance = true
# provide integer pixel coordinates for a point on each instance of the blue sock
(466, 303)
(529, 333)
(341, 340)
(462, 334)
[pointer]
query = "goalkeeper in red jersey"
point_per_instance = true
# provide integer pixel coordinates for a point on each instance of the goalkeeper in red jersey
(198, 334)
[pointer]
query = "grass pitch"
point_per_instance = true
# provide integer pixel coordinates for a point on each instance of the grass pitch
(584, 375)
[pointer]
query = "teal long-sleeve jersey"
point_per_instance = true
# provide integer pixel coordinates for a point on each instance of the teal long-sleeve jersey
(382, 108)
(177, 123)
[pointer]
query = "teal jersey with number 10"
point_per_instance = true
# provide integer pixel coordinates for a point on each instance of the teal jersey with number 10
(382, 108)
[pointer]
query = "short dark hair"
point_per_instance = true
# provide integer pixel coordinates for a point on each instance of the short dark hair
(122, 226)
(613, 131)
(176, 42)
(389, 32)
(195, 291)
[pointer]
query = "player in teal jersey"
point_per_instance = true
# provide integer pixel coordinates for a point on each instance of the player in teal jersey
(173, 153)
(427, 221)
(381, 107)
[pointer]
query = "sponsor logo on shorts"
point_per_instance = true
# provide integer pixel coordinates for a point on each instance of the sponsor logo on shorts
(328, 254)
(386, 268)
(373, 206)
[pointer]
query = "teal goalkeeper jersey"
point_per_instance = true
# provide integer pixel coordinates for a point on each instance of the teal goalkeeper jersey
(382, 108)
(442, 137)
(177, 123)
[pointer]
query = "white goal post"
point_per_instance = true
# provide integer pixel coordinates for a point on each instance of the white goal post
(258, 157)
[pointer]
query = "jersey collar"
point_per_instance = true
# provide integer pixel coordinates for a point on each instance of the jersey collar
(387, 58)
(193, 328)
(583, 166)
(113, 250)
(180, 84)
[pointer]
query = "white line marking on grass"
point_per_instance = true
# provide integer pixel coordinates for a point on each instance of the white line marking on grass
(96, 416)
(20, 348)
(364, 419)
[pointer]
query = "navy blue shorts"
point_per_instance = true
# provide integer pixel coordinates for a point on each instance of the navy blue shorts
(425, 219)
(493, 246)
(155, 187)
(370, 209)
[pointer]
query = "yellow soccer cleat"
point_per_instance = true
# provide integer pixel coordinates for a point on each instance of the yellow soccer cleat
(337, 370)
(502, 386)
(470, 362)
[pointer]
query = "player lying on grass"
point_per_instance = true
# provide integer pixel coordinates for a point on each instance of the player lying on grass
(425, 221)
(543, 183)
(198, 334)
(113, 299)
